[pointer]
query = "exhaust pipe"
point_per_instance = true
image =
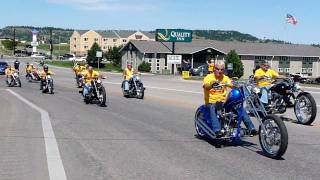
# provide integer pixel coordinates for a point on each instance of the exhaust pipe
(205, 128)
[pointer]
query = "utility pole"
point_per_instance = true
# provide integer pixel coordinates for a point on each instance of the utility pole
(14, 41)
(51, 44)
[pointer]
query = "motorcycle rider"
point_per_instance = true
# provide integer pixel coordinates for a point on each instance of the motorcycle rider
(16, 64)
(264, 76)
(30, 68)
(43, 75)
(9, 72)
(127, 76)
(89, 75)
(78, 69)
(213, 96)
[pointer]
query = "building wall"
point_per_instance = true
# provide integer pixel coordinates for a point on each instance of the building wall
(295, 65)
(248, 66)
(75, 43)
(316, 68)
(90, 36)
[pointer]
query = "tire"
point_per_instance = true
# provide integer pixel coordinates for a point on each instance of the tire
(102, 101)
(282, 141)
(126, 95)
(199, 131)
(141, 94)
(19, 82)
(201, 74)
(312, 107)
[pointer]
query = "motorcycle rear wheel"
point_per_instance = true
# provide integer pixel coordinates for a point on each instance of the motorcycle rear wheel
(309, 105)
(199, 131)
(276, 135)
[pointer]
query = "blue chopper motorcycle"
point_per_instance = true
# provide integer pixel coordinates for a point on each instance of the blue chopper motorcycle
(273, 136)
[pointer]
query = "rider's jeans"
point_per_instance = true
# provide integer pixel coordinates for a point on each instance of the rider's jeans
(215, 121)
(9, 79)
(126, 85)
(213, 117)
(264, 94)
(86, 89)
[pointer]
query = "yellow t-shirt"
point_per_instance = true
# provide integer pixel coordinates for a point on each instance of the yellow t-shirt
(211, 67)
(88, 77)
(128, 73)
(9, 71)
(215, 95)
(269, 73)
(44, 73)
(30, 68)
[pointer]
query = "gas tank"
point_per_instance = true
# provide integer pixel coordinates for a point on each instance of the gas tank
(281, 87)
(234, 97)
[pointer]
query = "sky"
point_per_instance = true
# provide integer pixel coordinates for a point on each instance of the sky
(263, 19)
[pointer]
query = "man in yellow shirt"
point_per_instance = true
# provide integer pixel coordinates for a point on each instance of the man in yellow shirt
(264, 77)
(43, 75)
(9, 72)
(210, 66)
(78, 69)
(215, 91)
(127, 76)
(89, 75)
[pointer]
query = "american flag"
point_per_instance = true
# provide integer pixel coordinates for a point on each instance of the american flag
(291, 19)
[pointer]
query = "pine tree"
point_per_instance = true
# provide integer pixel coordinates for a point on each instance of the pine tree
(233, 58)
(92, 60)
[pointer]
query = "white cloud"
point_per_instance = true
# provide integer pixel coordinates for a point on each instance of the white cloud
(104, 5)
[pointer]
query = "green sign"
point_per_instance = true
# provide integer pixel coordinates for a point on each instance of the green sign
(173, 35)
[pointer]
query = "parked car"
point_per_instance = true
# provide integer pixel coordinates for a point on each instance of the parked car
(81, 59)
(300, 79)
(69, 57)
(38, 56)
(201, 70)
(3, 66)
(316, 80)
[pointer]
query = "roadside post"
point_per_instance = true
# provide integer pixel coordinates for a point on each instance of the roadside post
(99, 55)
(229, 68)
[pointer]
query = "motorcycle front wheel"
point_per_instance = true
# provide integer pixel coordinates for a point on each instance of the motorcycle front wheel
(140, 94)
(102, 96)
(305, 108)
(274, 141)
(199, 131)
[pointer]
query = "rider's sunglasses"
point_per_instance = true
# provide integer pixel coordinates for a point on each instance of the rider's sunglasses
(221, 70)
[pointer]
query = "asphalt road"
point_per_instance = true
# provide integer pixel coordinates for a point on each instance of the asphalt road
(152, 138)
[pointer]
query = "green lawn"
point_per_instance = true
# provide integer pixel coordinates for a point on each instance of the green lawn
(58, 49)
(69, 64)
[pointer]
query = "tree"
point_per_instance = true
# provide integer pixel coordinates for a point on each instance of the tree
(234, 59)
(92, 60)
(144, 67)
(8, 44)
(113, 54)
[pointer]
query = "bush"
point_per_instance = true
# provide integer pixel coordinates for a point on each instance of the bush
(233, 58)
(144, 67)
(113, 54)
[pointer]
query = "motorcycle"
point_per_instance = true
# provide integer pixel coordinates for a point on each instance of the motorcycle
(33, 76)
(96, 94)
(136, 88)
(47, 85)
(15, 80)
(285, 93)
(273, 135)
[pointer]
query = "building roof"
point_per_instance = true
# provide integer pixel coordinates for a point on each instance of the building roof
(108, 34)
(81, 32)
(258, 49)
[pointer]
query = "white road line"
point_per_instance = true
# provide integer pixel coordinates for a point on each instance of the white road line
(159, 88)
(55, 166)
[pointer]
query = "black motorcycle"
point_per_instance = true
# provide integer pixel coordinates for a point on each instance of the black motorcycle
(14, 80)
(80, 81)
(97, 93)
(286, 93)
(136, 88)
(47, 85)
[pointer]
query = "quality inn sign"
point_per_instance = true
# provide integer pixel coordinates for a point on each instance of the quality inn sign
(173, 35)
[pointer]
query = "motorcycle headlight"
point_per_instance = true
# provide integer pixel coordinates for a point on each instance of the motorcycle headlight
(297, 87)
(49, 77)
(99, 81)
(15, 74)
(138, 78)
(256, 90)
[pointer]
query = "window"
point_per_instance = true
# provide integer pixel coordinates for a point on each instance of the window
(85, 39)
(150, 62)
(114, 40)
(158, 65)
(96, 39)
(85, 47)
(75, 39)
(104, 47)
(307, 65)
(284, 64)
(74, 46)
(158, 56)
(124, 40)
(105, 39)
(149, 55)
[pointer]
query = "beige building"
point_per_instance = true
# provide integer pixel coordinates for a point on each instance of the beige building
(82, 40)
(285, 58)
